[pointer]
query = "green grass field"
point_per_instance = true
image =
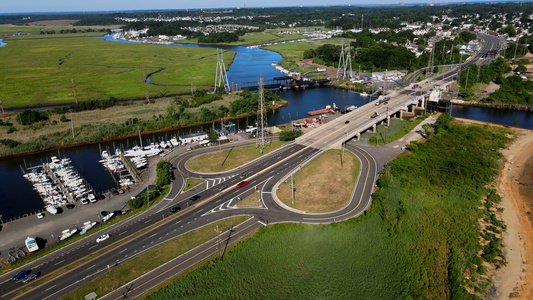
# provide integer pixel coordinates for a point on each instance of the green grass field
(352, 260)
(233, 158)
(37, 70)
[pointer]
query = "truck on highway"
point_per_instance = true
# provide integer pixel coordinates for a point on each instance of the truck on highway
(374, 115)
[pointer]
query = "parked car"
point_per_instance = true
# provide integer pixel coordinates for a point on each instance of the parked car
(194, 198)
(222, 187)
(174, 209)
(20, 275)
(347, 121)
(84, 201)
(29, 278)
(484, 92)
(100, 197)
(70, 206)
(40, 215)
(102, 238)
(104, 213)
(242, 183)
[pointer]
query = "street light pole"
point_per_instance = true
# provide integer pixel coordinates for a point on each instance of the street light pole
(292, 190)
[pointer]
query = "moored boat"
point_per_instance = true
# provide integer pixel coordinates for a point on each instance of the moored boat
(31, 244)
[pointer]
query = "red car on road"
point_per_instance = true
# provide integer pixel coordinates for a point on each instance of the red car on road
(242, 183)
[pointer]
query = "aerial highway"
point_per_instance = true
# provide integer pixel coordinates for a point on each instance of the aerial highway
(154, 227)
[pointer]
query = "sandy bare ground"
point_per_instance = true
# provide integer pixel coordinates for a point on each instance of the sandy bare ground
(515, 280)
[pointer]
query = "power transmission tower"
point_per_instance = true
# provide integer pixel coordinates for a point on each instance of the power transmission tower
(262, 139)
(345, 62)
(221, 77)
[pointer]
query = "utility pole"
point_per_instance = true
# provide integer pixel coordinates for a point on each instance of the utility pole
(292, 190)
(74, 89)
(218, 238)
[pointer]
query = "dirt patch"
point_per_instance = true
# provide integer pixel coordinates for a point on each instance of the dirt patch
(324, 185)
(515, 185)
(53, 23)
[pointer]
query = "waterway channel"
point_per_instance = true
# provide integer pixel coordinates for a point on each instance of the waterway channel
(17, 197)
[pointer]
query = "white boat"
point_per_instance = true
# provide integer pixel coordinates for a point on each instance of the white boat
(363, 94)
(65, 234)
(51, 209)
(86, 226)
(107, 217)
(174, 142)
(250, 129)
(31, 244)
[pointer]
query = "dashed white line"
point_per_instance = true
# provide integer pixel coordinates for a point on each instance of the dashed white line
(91, 267)
(59, 262)
(153, 235)
(93, 246)
(122, 232)
(53, 286)
(123, 250)
(147, 221)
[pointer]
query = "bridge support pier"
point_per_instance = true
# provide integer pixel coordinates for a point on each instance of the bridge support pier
(357, 136)
(387, 121)
(373, 128)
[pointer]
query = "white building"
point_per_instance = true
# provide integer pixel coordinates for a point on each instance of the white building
(193, 137)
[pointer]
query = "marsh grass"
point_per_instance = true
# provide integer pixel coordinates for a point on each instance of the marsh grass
(38, 69)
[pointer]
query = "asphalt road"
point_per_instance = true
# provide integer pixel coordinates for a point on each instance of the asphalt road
(213, 205)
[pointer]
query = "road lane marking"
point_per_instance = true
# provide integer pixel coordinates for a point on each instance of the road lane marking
(122, 232)
(59, 262)
(153, 235)
(123, 250)
(93, 246)
(53, 286)
(90, 267)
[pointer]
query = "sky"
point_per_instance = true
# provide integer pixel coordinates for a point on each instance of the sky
(15, 6)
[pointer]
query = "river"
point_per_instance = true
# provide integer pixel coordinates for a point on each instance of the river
(17, 197)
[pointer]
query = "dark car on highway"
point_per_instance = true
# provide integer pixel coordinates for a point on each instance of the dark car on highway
(29, 278)
(20, 275)
(174, 209)
(194, 198)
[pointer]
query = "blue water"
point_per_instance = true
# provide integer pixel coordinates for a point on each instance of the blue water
(497, 116)
(2, 43)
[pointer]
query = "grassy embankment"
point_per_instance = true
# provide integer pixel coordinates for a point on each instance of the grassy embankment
(100, 124)
(420, 239)
(38, 69)
(395, 130)
(152, 259)
(312, 194)
(228, 159)
(192, 182)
